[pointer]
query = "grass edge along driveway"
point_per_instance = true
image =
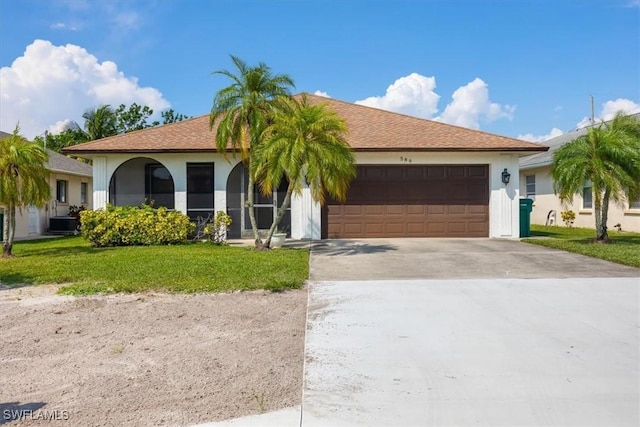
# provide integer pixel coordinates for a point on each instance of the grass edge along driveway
(189, 268)
(624, 247)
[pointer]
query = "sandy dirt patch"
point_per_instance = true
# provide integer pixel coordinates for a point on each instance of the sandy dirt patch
(148, 359)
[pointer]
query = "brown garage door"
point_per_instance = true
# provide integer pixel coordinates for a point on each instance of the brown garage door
(412, 201)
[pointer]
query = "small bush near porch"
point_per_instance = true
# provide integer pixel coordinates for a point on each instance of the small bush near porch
(182, 269)
(624, 247)
(135, 226)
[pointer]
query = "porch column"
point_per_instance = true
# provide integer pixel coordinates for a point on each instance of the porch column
(100, 183)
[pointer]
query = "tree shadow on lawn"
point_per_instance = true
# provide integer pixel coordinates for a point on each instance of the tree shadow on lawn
(11, 411)
(62, 251)
(15, 281)
(615, 238)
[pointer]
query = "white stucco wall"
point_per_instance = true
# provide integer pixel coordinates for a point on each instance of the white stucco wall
(105, 166)
(545, 201)
(306, 215)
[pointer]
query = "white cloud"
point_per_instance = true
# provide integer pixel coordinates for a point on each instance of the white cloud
(609, 109)
(321, 93)
(413, 95)
(63, 26)
(127, 20)
(471, 104)
(50, 84)
(540, 138)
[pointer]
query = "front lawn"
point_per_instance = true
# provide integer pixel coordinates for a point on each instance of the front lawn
(186, 268)
(623, 249)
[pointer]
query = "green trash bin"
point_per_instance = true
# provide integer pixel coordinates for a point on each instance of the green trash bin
(526, 206)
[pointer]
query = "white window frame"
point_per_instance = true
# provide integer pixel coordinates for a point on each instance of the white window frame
(587, 186)
(84, 193)
(62, 190)
(530, 186)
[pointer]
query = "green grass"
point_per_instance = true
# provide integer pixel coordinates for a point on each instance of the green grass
(624, 247)
(189, 268)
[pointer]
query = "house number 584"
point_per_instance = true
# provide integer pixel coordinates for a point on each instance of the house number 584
(405, 159)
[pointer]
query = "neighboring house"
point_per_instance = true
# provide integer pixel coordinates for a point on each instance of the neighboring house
(71, 184)
(536, 183)
(416, 178)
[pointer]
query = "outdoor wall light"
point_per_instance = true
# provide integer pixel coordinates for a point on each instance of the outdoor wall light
(506, 176)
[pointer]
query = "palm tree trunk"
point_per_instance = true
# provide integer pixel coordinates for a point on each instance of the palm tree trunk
(597, 208)
(252, 212)
(603, 235)
(10, 231)
(279, 215)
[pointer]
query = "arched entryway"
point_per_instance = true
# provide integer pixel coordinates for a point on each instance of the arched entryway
(265, 206)
(142, 180)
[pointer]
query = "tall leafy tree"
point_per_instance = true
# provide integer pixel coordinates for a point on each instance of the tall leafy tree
(104, 121)
(608, 156)
(132, 118)
(170, 116)
(242, 111)
(23, 181)
(305, 143)
(99, 123)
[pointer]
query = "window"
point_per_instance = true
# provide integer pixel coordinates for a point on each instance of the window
(61, 191)
(159, 186)
(587, 196)
(530, 181)
(83, 193)
(199, 190)
(635, 204)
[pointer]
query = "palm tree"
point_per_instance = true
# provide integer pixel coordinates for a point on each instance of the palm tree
(609, 157)
(23, 181)
(241, 112)
(305, 144)
(99, 123)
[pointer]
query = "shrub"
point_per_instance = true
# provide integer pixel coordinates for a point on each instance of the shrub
(213, 229)
(134, 226)
(74, 211)
(568, 217)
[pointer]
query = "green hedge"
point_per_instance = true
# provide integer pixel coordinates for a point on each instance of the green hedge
(135, 226)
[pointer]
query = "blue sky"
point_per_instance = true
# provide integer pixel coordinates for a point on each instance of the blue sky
(518, 68)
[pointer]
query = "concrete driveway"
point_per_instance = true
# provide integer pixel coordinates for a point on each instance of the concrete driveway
(375, 259)
(459, 332)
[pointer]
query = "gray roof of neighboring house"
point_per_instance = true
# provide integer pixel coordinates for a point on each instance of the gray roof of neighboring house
(546, 158)
(59, 163)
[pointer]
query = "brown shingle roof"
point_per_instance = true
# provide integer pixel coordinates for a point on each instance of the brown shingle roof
(370, 129)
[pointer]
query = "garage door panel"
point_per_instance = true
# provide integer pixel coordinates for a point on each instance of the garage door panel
(395, 210)
(416, 201)
(478, 210)
(416, 209)
(374, 210)
(454, 227)
(416, 228)
(478, 227)
(353, 210)
(435, 172)
(396, 228)
(456, 210)
(436, 209)
(374, 228)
